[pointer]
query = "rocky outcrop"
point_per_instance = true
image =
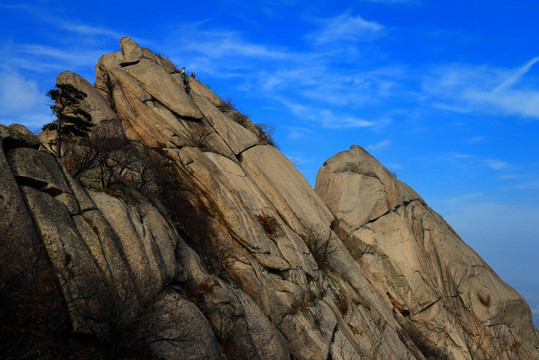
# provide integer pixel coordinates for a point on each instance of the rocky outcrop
(429, 274)
(229, 252)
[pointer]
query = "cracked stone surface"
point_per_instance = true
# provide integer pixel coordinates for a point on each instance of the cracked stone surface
(410, 253)
(247, 274)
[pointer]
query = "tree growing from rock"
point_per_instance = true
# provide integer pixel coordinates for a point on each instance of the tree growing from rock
(71, 120)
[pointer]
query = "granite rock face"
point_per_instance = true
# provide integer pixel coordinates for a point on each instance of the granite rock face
(428, 273)
(242, 258)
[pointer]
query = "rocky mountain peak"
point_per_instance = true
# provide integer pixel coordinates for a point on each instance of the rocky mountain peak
(176, 230)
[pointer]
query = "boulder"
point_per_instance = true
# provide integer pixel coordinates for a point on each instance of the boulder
(16, 135)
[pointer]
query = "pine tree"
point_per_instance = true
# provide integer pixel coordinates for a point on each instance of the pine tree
(71, 120)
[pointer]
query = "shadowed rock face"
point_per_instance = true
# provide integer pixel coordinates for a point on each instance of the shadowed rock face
(258, 266)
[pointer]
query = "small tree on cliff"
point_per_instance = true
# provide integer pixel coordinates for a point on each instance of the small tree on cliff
(71, 120)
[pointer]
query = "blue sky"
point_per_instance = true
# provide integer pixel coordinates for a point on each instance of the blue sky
(443, 93)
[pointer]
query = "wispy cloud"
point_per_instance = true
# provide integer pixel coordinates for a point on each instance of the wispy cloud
(530, 185)
(513, 79)
(21, 100)
(464, 87)
(85, 57)
(299, 159)
(315, 82)
(45, 16)
(509, 176)
(88, 30)
(497, 164)
(466, 197)
(395, 166)
(345, 27)
(18, 93)
(13, 6)
(48, 58)
(456, 155)
(327, 118)
(298, 132)
(219, 43)
(380, 145)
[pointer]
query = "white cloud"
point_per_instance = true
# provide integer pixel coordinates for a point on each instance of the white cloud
(41, 58)
(317, 82)
(346, 28)
(88, 30)
(465, 197)
(395, 166)
(347, 122)
(380, 145)
(530, 185)
(513, 79)
(509, 176)
(298, 132)
(326, 118)
(18, 93)
(464, 87)
(21, 101)
(299, 159)
(497, 164)
(86, 57)
(218, 44)
(516, 102)
(459, 155)
(61, 23)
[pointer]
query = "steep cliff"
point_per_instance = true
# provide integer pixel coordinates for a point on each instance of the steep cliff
(428, 273)
(208, 243)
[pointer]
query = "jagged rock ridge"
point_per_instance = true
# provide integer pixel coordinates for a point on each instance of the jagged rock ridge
(254, 264)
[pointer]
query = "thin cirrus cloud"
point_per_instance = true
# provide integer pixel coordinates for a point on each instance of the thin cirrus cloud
(48, 58)
(57, 53)
(380, 145)
(530, 185)
(87, 30)
(485, 88)
(60, 23)
(220, 43)
(497, 164)
(325, 117)
(345, 27)
(298, 132)
(340, 88)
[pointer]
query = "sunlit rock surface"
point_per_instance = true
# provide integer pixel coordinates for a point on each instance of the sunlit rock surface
(428, 273)
(254, 265)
